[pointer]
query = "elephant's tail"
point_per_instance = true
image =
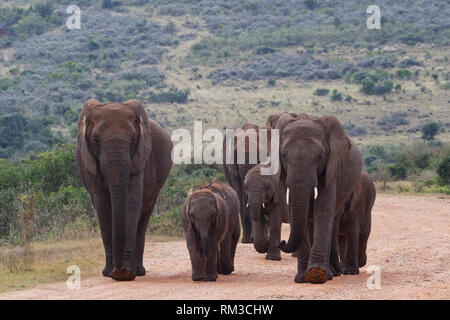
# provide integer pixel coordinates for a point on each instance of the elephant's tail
(205, 244)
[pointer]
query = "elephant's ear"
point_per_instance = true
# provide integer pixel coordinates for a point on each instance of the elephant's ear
(185, 219)
(144, 141)
(339, 145)
(272, 120)
(84, 155)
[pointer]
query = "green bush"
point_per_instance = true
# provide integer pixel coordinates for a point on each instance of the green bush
(429, 130)
(336, 96)
(444, 169)
(368, 86)
(5, 84)
(403, 74)
(321, 92)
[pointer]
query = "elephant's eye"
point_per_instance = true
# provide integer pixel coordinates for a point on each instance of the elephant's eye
(96, 139)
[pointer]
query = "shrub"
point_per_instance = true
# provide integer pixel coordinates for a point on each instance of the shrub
(310, 4)
(321, 92)
(444, 169)
(403, 74)
(336, 96)
(429, 130)
(5, 84)
(368, 86)
(384, 88)
(173, 95)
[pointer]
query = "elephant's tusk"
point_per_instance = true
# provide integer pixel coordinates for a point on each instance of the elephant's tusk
(246, 205)
(316, 193)
(263, 205)
(287, 196)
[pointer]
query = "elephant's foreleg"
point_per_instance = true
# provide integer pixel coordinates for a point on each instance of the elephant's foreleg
(195, 255)
(318, 270)
(302, 255)
(273, 251)
(102, 204)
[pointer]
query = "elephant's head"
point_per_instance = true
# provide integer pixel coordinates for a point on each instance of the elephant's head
(115, 142)
(260, 195)
(312, 151)
(203, 213)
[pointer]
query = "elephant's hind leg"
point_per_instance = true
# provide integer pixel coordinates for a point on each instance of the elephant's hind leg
(225, 262)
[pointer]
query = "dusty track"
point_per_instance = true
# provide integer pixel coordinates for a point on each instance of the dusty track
(409, 242)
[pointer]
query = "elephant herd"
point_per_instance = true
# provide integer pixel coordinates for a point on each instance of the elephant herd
(320, 189)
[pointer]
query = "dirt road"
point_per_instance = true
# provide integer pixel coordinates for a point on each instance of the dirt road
(409, 242)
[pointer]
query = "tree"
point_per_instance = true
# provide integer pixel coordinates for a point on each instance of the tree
(429, 130)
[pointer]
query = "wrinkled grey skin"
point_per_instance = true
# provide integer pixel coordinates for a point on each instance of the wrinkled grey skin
(210, 218)
(266, 211)
(123, 159)
(235, 175)
(355, 225)
(315, 152)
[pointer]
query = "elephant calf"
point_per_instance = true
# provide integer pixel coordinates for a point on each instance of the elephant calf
(266, 210)
(211, 222)
(355, 224)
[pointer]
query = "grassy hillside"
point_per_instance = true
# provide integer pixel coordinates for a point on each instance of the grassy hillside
(225, 62)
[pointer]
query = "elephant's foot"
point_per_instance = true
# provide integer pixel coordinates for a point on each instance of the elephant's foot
(273, 256)
(140, 271)
(300, 278)
(123, 274)
(351, 271)
(197, 277)
(107, 271)
(336, 270)
(318, 274)
(362, 259)
(210, 278)
(226, 270)
(247, 239)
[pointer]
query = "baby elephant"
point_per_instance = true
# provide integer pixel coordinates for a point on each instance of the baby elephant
(211, 222)
(354, 227)
(266, 210)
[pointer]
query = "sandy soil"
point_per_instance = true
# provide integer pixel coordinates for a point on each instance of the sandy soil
(409, 242)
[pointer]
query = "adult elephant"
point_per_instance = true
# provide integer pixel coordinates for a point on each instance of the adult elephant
(123, 159)
(235, 172)
(319, 169)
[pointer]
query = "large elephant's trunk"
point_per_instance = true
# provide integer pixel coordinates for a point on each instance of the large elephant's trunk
(299, 202)
(260, 233)
(118, 175)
